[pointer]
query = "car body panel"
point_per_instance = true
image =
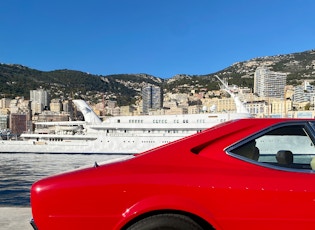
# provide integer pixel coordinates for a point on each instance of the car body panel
(194, 175)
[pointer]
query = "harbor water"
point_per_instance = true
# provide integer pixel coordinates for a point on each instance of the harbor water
(19, 171)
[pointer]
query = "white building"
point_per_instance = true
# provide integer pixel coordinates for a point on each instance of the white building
(39, 100)
(268, 83)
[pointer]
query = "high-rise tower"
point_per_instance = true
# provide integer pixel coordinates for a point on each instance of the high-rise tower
(39, 99)
(268, 83)
(152, 98)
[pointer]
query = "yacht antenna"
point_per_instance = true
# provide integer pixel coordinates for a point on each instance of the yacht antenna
(240, 108)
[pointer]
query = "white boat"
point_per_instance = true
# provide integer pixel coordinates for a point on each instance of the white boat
(115, 135)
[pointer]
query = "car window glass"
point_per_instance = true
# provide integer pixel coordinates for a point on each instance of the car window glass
(312, 125)
(287, 147)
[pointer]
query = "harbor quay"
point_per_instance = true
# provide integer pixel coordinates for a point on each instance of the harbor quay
(15, 218)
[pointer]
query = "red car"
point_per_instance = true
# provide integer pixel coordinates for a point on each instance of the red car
(243, 174)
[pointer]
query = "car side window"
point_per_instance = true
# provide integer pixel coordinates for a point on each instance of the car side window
(287, 147)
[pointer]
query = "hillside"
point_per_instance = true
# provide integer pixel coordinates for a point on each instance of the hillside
(18, 80)
(298, 66)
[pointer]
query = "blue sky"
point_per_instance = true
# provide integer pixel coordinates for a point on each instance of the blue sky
(158, 37)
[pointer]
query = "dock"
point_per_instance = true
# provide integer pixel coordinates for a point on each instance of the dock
(15, 218)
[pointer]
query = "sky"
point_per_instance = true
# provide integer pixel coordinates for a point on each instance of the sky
(157, 37)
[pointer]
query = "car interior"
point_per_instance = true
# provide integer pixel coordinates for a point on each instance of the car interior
(286, 147)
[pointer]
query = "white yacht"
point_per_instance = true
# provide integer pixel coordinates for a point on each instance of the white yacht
(115, 135)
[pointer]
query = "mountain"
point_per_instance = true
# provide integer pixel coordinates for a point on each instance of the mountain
(18, 80)
(299, 67)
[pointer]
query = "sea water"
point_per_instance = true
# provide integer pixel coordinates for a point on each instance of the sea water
(19, 171)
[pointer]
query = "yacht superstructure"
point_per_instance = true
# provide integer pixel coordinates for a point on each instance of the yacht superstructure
(115, 135)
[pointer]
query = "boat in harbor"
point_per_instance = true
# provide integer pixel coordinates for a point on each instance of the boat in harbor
(114, 135)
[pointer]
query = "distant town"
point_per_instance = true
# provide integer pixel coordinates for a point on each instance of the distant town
(270, 97)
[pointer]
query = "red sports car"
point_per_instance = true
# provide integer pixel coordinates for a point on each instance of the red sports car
(243, 174)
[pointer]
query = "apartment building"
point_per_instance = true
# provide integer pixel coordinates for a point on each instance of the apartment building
(268, 83)
(152, 98)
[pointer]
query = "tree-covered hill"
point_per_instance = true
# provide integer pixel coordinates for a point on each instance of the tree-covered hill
(18, 80)
(298, 66)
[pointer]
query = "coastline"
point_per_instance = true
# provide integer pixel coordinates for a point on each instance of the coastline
(17, 218)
